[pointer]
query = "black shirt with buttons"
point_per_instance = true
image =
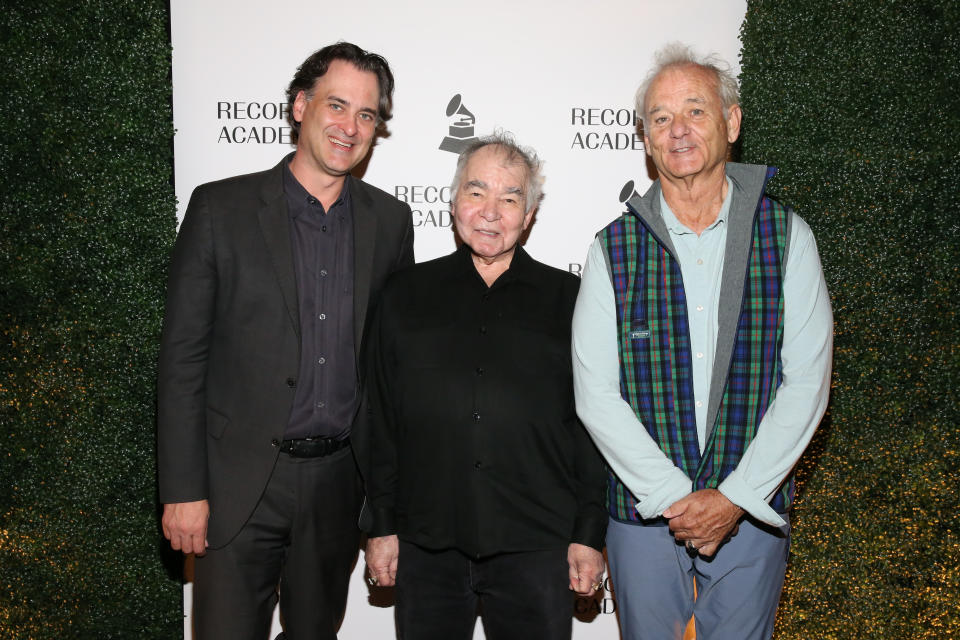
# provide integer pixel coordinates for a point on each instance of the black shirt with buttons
(326, 396)
(476, 443)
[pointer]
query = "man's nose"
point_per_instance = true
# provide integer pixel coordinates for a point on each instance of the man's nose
(678, 126)
(349, 125)
(491, 210)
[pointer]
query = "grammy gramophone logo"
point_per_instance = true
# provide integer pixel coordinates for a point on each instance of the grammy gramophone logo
(460, 134)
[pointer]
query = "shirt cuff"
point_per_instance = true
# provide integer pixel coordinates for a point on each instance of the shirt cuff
(675, 486)
(381, 522)
(590, 530)
(739, 493)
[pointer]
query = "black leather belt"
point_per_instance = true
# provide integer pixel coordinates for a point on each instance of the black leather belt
(312, 447)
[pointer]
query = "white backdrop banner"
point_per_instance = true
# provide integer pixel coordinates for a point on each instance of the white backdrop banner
(560, 75)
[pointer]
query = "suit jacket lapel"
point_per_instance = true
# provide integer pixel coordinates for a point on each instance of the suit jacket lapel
(275, 226)
(364, 243)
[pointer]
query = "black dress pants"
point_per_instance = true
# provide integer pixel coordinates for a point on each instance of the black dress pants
(303, 535)
(519, 596)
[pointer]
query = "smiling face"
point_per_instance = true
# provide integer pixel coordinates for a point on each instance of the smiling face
(338, 120)
(685, 130)
(489, 208)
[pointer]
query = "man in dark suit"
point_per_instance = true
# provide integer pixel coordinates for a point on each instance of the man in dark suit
(271, 281)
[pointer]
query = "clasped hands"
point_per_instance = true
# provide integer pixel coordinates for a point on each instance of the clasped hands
(704, 520)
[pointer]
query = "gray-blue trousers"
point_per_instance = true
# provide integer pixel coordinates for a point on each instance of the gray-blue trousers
(737, 590)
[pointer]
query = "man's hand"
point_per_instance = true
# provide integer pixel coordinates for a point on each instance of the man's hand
(586, 568)
(185, 525)
(381, 555)
(704, 519)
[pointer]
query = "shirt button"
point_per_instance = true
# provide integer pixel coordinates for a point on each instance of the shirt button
(477, 465)
(479, 371)
(321, 360)
(275, 443)
(483, 331)
(699, 355)
(323, 272)
(476, 416)
(699, 404)
(321, 404)
(699, 307)
(322, 316)
(291, 382)
(323, 228)
(312, 200)
(699, 260)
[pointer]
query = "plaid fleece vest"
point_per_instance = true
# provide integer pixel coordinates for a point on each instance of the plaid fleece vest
(656, 376)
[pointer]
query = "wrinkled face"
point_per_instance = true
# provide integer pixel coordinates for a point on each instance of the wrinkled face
(685, 131)
(338, 122)
(489, 208)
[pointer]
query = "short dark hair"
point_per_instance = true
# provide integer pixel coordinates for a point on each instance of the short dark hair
(316, 66)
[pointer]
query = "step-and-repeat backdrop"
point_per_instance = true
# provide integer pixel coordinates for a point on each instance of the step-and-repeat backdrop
(558, 74)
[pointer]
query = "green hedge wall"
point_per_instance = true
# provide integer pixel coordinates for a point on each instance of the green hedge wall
(88, 218)
(857, 103)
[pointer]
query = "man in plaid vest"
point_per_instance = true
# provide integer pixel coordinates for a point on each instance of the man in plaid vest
(702, 343)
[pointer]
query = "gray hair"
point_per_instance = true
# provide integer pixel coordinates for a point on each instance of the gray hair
(677, 54)
(513, 154)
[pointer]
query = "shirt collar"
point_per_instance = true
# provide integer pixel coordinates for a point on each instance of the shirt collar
(678, 228)
(518, 270)
(296, 193)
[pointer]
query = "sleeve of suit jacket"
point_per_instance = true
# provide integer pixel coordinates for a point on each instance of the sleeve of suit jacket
(188, 322)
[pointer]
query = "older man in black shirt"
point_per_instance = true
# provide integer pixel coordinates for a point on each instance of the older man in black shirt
(483, 487)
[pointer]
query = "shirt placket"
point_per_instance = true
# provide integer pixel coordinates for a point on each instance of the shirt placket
(323, 298)
(480, 418)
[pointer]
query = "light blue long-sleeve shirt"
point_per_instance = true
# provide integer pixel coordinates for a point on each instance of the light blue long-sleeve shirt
(789, 422)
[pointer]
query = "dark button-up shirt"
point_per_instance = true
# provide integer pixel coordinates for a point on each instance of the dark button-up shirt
(476, 443)
(326, 397)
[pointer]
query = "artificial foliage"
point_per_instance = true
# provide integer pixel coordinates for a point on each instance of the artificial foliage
(88, 218)
(856, 101)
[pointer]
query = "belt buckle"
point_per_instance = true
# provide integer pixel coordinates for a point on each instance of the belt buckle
(313, 447)
(320, 446)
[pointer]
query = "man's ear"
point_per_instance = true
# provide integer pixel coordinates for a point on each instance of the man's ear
(299, 104)
(734, 118)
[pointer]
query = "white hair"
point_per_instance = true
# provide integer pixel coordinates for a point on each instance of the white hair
(514, 154)
(677, 54)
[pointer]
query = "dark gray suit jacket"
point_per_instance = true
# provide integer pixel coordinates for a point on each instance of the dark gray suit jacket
(230, 351)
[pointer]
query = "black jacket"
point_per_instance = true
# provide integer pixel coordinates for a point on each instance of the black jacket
(230, 350)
